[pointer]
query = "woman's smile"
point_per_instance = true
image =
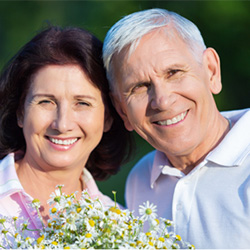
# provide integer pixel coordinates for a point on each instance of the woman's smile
(59, 118)
(61, 144)
(64, 142)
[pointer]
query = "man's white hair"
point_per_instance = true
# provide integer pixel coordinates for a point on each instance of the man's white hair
(128, 31)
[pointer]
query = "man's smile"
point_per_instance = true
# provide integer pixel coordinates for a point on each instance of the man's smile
(174, 120)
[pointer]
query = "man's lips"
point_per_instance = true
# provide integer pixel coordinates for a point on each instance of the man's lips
(173, 120)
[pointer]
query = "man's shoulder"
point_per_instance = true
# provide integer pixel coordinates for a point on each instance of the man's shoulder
(236, 114)
(144, 165)
(138, 181)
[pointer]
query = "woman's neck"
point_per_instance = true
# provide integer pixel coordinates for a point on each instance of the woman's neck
(40, 184)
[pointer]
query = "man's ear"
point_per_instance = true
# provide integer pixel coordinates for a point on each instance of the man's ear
(120, 110)
(211, 62)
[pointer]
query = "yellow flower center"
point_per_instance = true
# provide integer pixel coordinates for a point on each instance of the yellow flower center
(157, 221)
(91, 223)
(161, 239)
(151, 243)
(39, 240)
(88, 235)
(178, 237)
(148, 211)
(53, 210)
(35, 201)
(78, 210)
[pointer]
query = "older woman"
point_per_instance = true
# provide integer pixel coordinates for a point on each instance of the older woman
(57, 124)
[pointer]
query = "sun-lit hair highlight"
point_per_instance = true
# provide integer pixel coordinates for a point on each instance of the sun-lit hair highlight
(128, 31)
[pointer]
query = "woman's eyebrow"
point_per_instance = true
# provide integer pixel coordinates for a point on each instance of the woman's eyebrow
(84, 96)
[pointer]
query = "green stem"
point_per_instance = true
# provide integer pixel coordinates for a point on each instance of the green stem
(114, 193)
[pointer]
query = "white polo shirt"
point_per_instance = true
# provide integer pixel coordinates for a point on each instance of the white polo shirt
(211, 205)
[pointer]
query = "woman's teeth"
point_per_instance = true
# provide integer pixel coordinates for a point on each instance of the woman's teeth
(174, 120)
(62, 142)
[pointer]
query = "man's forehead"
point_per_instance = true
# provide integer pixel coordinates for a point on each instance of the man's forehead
(156, 50)
(160, 36)
(149, 47)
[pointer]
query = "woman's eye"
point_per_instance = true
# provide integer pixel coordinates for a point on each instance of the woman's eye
(82, 103)
(44, 102)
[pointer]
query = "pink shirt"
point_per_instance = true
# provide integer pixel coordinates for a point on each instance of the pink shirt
(14, 201)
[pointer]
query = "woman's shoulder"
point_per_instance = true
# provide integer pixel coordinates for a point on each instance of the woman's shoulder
(8, 160)
(93, 190)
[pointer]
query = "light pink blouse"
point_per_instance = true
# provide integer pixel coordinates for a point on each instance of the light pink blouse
(14, 201)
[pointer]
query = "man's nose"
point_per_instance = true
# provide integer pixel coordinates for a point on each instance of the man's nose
(162, 96)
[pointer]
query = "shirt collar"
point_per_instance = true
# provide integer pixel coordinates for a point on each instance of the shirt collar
(9, 182)
(236, 145)
(230, 152)
(160, 165)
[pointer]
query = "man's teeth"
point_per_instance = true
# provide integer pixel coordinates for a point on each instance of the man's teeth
(173, 120)
(63, 142)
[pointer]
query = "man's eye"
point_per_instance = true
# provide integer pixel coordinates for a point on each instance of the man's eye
(140, 87)
(173, 72)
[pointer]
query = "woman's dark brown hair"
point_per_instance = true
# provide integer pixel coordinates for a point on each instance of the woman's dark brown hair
(58, 46)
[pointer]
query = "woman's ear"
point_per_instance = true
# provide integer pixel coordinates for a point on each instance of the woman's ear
(19, 116)
(211, 61)
(121, 111)
(108, 122)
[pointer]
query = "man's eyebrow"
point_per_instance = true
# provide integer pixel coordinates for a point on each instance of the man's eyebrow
(164, 70)
(174, 66)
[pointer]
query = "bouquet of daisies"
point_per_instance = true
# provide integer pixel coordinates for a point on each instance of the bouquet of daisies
(87, 223)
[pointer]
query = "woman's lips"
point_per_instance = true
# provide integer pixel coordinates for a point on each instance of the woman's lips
(63, 142)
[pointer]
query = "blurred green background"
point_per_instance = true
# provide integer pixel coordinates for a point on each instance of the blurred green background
(223, 24)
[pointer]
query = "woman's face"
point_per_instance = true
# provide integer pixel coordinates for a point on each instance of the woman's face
(63, 118)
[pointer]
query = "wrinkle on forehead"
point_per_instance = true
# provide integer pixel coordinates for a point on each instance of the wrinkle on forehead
(164, 38)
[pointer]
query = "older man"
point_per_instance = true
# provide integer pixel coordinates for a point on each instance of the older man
(162, 79)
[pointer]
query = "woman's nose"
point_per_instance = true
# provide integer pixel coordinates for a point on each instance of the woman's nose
(63, 121)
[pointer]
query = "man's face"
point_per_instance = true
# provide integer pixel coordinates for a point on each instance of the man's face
(166, 94)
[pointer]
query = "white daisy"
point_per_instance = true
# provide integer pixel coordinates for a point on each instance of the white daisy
(55, 196)
(147, 211)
